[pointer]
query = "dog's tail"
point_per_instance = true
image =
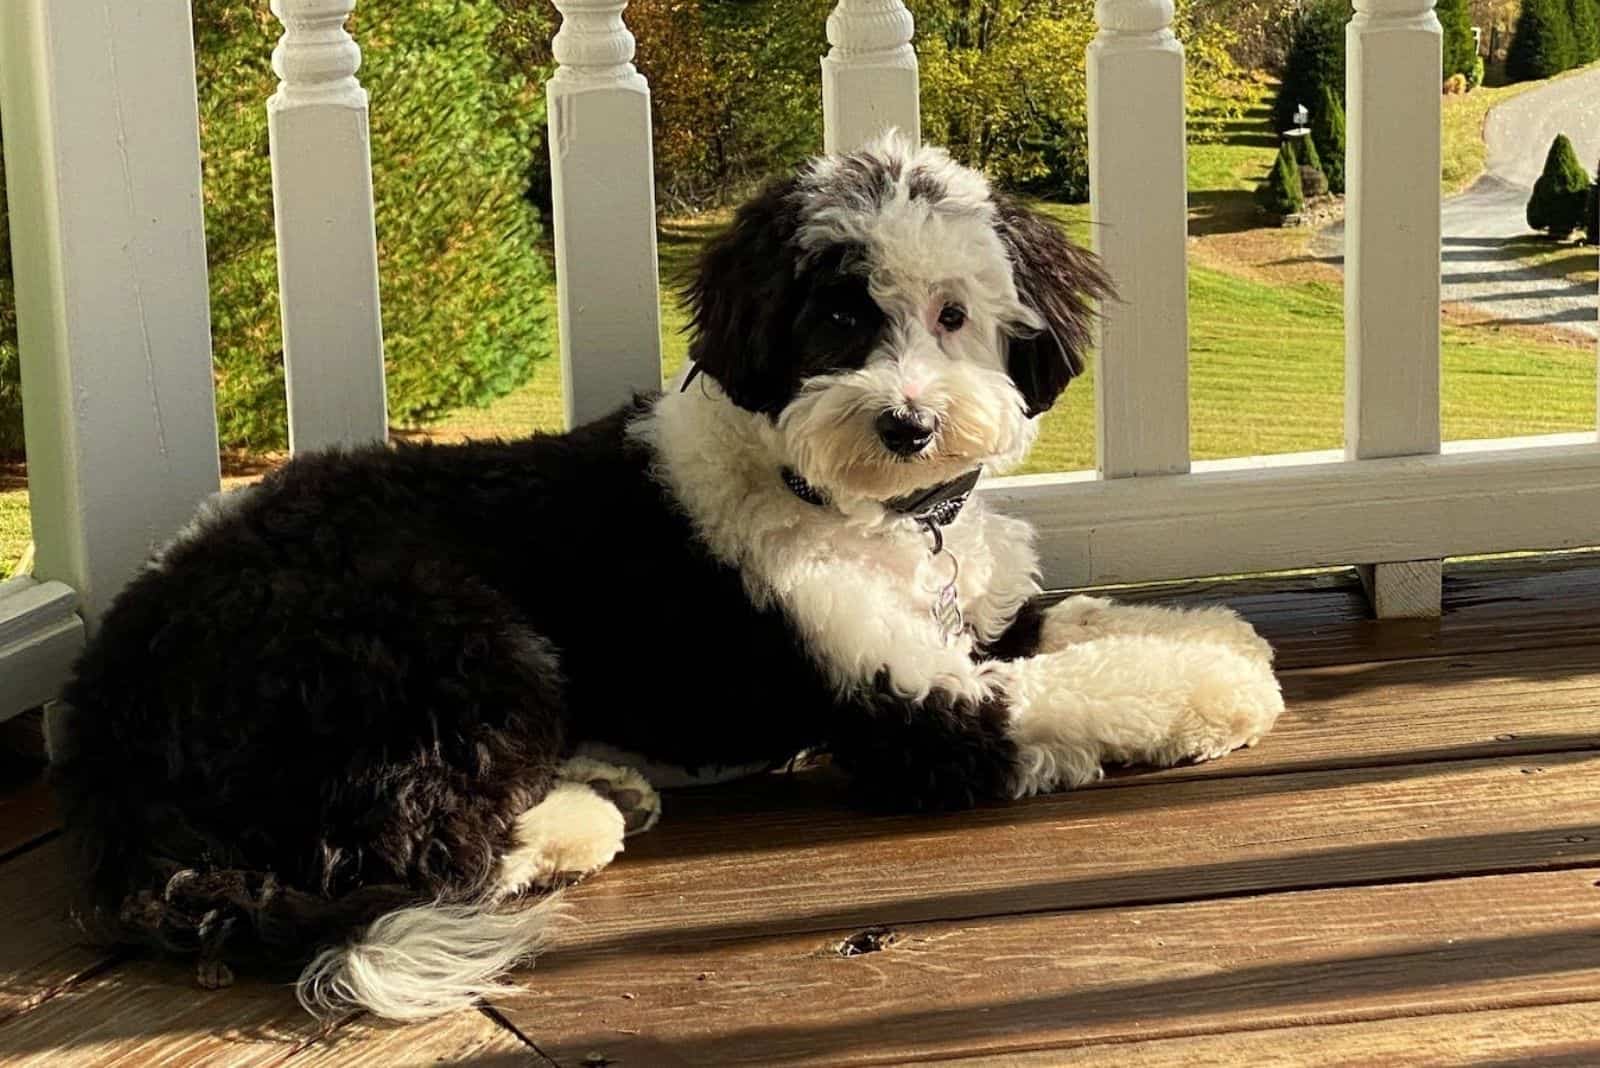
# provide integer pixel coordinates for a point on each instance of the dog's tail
(151, 879)
(423, 961)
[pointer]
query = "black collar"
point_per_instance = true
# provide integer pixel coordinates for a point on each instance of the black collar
(934, 507)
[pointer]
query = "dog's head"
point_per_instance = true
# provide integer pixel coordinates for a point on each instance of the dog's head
(899, 321)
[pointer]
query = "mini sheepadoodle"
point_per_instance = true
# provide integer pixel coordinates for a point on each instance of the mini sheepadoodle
(349, 715)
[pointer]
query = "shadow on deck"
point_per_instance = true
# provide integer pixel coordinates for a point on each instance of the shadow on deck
(1409, 863)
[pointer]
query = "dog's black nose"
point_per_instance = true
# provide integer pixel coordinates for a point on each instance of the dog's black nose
(905, 431)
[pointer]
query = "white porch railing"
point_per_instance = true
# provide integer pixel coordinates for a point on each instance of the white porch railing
(102, 157)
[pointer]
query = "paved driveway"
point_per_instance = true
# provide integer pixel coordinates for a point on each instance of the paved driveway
(1485, 229)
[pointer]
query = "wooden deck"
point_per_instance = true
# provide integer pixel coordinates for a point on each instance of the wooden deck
(1406, 871)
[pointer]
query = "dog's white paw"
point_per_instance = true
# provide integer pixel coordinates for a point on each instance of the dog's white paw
(1134, 699)
(1083, 618)
(625, 788)
(571, 833)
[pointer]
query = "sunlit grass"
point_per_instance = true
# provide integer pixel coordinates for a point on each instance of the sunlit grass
(1266, 356)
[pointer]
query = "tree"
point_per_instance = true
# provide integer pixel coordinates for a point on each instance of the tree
(1315, 59)
(1542, 45)
(1585, 31)
(465, 285)
(1281, 193)
(1460, 52)
(1561, 195)
(1327, 130)
(1003, 84)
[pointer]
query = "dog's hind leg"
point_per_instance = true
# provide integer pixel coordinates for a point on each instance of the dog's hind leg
(624, 787)
(577, 828)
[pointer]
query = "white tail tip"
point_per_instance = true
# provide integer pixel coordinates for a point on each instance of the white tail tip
(424, 961)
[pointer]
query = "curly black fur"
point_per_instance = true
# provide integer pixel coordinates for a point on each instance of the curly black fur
(339, 696)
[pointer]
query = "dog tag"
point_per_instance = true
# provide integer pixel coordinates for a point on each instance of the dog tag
(946, 603)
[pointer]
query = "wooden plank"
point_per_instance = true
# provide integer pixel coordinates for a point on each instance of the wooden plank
(327, 240)
(1140, 225)
(603, 184)
(1404, 712)
(103, 171)
(1304, 516)
(1548, 1036)
(41, 953)
(869, 76)
(1322, 619)
(1410, 589)
(27, 806)
(145, 1013)
(800, 859)
(27, 815)
(993, 986)
(462, 1038)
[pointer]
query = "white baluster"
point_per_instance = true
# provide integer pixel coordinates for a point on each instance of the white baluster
(103, 167)
(1392, 260)
(603, 181)
(1137, 184)
(869, 76)
(327, 245)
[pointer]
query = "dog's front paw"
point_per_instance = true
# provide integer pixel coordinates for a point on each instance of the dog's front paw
(1231, 701)
(1135, 700)
(1083, 618)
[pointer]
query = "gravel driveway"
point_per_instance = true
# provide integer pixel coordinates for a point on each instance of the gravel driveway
(1485, 230)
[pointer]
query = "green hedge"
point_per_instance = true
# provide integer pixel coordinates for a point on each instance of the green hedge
(456, 129)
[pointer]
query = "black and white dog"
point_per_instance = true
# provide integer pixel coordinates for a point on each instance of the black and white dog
(350, 713)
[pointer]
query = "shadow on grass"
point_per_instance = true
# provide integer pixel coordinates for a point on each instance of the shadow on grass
(1222, 211)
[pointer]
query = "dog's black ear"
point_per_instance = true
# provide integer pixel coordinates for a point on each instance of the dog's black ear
(743, 284)
(1057, 281)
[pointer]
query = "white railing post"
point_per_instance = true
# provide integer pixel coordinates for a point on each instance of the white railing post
(603, 181)
(327, 245)
(869, 76)
(103, 163)
(1138, 192)
(1392, 261)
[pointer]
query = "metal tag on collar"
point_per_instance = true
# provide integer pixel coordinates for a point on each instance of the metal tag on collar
(947, 601)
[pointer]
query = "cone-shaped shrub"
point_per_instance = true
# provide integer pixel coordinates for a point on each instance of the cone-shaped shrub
(1543, 44)
(1282, 193)
(1327, 130)
(1561, 194)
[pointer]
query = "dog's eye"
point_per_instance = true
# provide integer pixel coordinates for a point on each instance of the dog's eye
(952, 317)
(843, 320)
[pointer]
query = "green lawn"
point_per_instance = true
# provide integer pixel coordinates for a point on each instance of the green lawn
(1266, 374)
(1267, 362)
